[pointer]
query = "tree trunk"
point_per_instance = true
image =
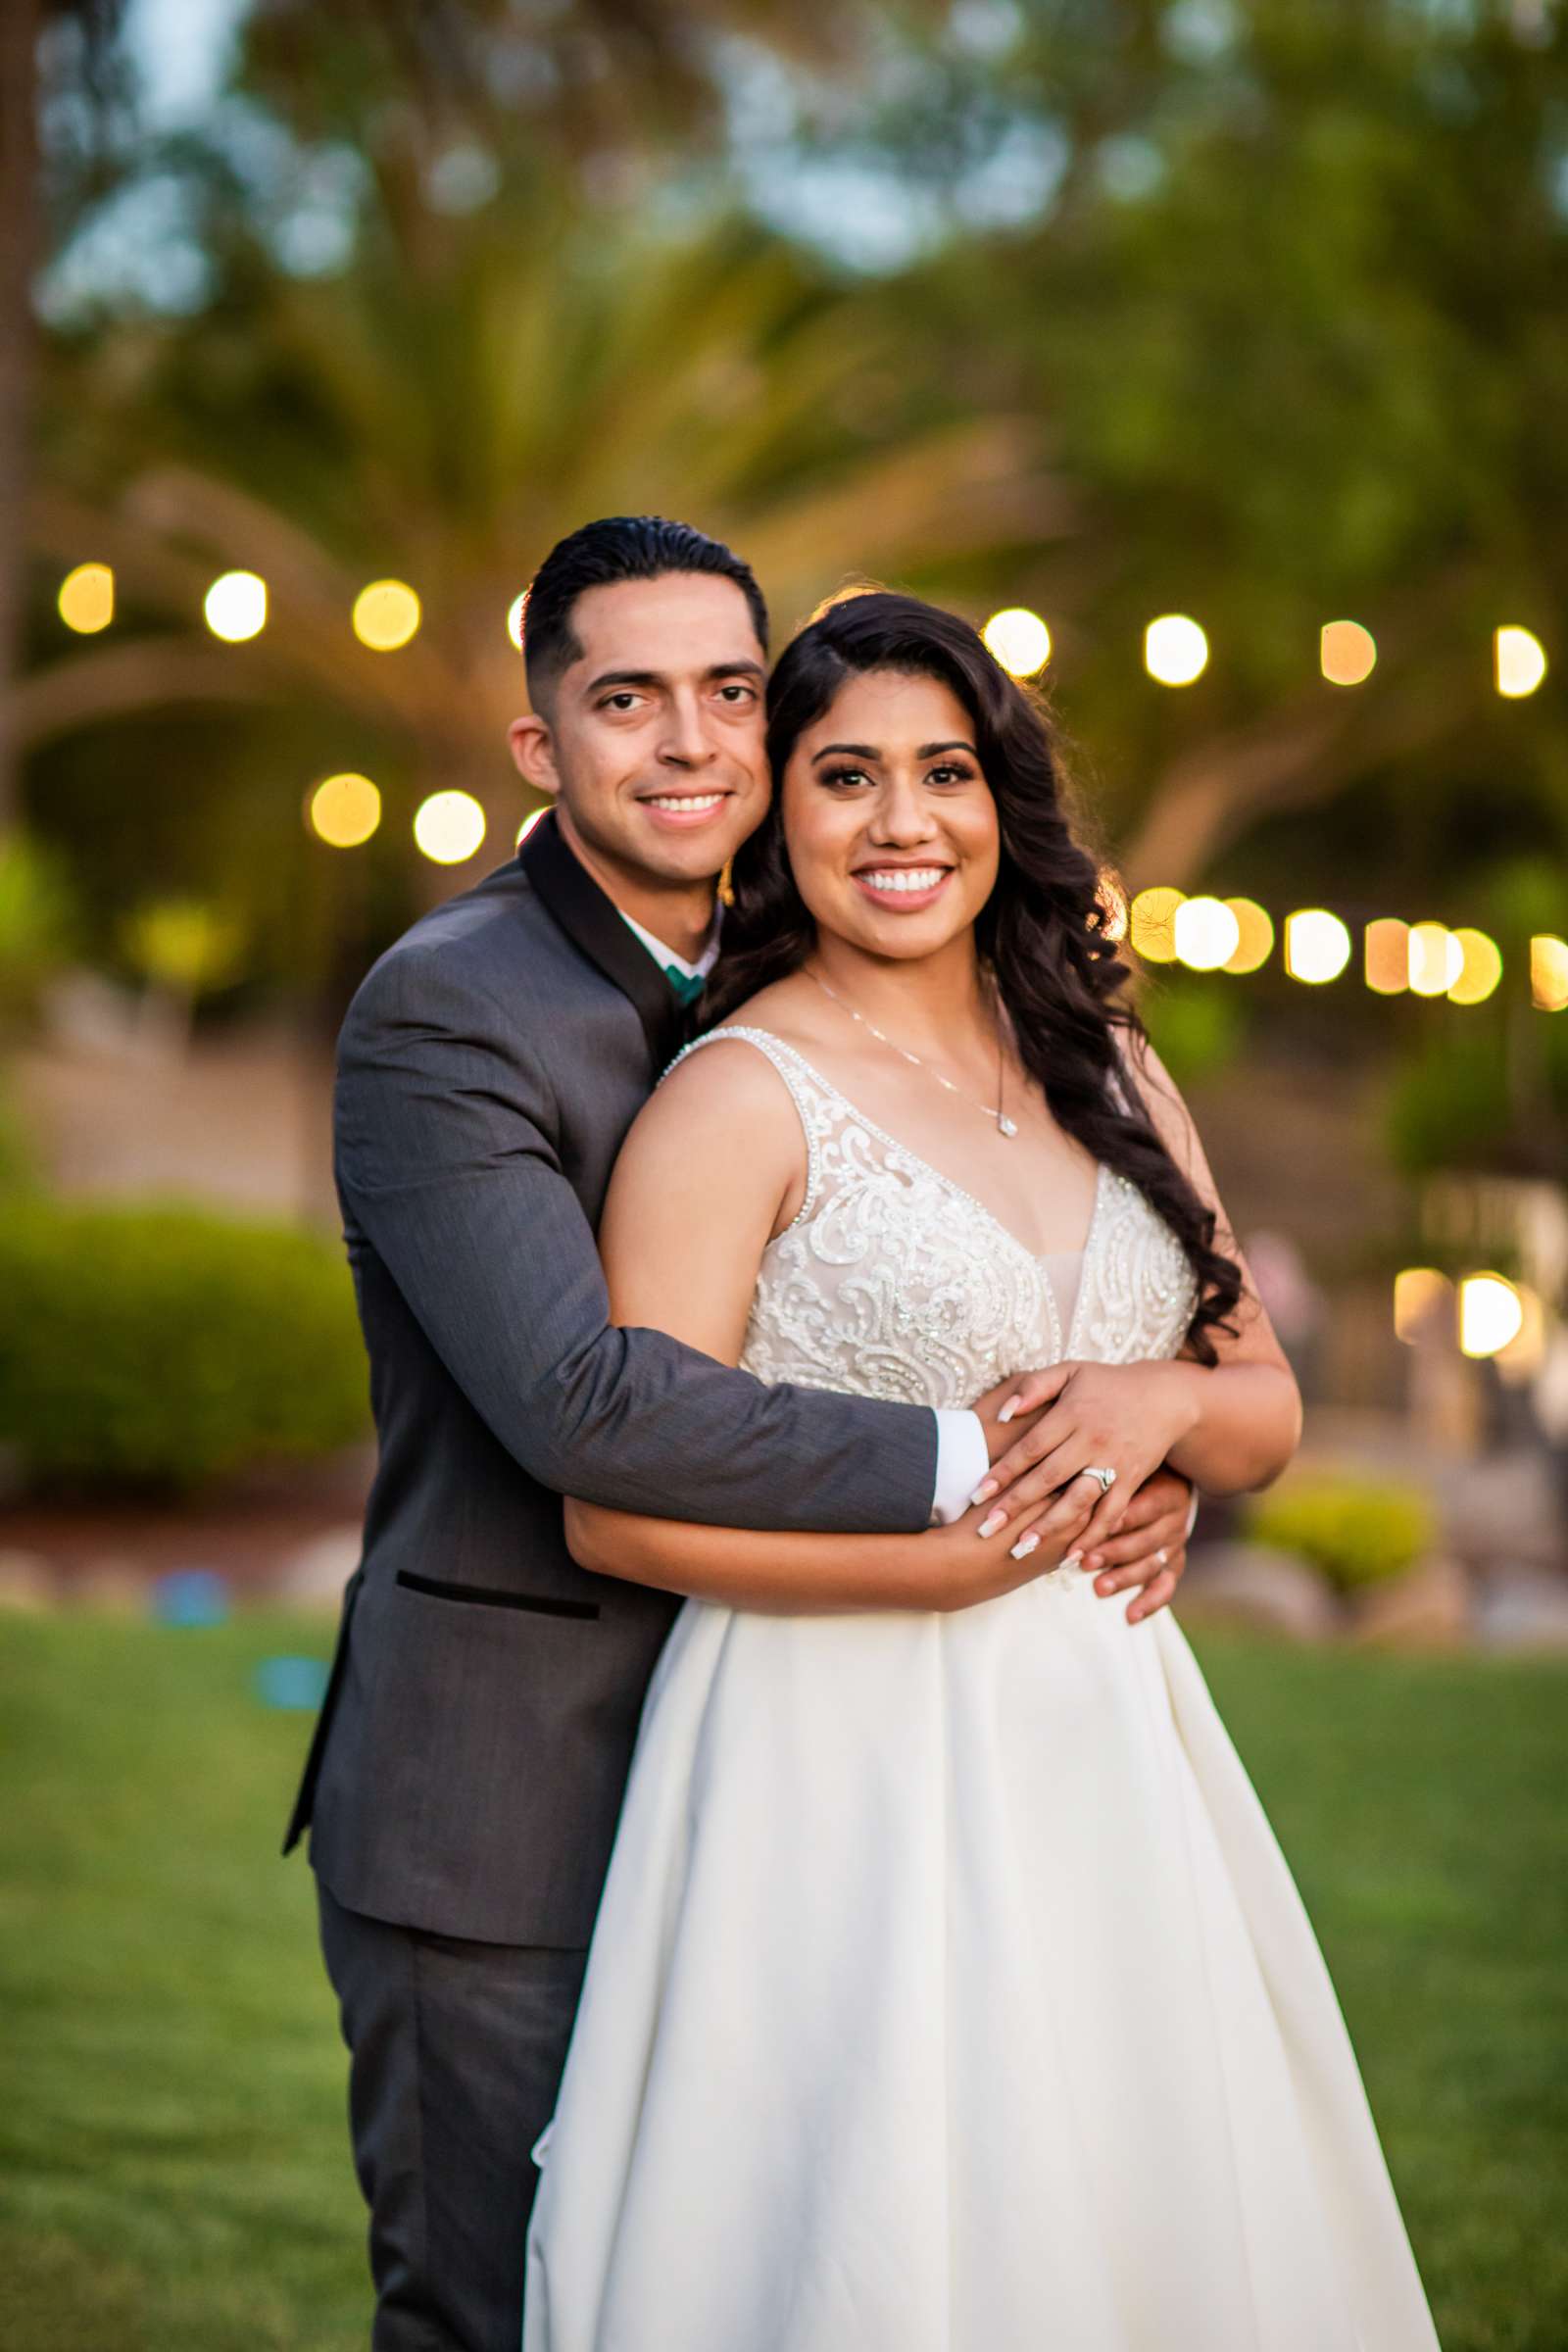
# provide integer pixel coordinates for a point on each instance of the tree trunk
(19, 167)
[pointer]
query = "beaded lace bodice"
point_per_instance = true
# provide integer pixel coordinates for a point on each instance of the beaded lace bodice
(891, 1281)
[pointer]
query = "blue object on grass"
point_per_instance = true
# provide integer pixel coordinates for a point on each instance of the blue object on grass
(294, 1683)
(190, 1596)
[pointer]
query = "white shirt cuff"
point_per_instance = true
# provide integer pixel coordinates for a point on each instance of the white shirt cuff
(963, 1459)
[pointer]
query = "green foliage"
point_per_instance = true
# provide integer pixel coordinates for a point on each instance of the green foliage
(1358, 1531)
(157, 1348)
(185, 945)
(36, 925)
(1195, 1026)
(19, 1167)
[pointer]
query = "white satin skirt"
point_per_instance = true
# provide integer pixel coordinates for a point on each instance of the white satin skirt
(949, 1993)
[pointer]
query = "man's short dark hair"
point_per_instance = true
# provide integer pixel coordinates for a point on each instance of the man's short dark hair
(619, 547)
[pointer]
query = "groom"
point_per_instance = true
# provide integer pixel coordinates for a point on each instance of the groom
(466, 1773)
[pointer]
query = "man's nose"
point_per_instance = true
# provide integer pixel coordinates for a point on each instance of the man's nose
(685, 742)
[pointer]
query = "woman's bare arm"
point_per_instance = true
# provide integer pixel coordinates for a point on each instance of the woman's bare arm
(713, 1166)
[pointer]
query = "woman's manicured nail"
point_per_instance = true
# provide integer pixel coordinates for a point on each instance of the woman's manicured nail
(1009, 1408)
(984, 1491)
(1074, 1559)
(989, 1526)
(1025, 1545)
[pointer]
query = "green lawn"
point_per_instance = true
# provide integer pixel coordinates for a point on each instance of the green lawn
(174, 2166)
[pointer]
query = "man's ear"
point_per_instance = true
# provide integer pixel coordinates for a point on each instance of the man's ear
(533, 753)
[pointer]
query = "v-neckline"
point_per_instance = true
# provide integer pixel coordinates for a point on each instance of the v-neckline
(1038, 1259)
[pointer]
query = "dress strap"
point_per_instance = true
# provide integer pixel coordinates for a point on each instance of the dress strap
(811, 1100)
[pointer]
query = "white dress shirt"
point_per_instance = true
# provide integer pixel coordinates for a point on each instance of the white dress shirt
(963, 1455)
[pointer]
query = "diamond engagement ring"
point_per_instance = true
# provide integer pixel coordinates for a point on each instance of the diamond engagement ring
(1106, 1478)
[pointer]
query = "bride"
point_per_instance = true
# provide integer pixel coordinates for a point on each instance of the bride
(949, 1991)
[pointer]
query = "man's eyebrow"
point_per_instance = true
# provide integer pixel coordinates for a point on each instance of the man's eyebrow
(741, 666)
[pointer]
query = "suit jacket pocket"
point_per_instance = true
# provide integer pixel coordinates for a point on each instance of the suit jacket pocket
(491, 1597)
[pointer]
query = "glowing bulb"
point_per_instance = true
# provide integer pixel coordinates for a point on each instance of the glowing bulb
(1255, 936)
(1480, 968)
(1491, 1315)
(345, 810)
(1387, 956)
(87, 599)
(1521, 661)
(236, 607)
(1437, 959)
(1150, 922)
(1348, 652)
(1020, 640)
(1317, 945)
(1548, 972)
(1175, 650)
(385, 615)
(449, 827)
(1418, 1292)
(514, 613)
(1204, 934)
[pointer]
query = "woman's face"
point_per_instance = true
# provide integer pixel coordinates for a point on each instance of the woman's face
(890, 824)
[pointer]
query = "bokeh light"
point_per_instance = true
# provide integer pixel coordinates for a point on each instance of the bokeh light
(87, 599)
(386, 615)
(1480, 967)
(1435, 959)
(1387, 956)
(1549, 971)
(1020, 640)
(535, 817)
(1419, 1293)
(1204, 934)
(1150, 923)
(1255, 936)
(1491, 1315)
(514, 613)
(235, 607)
(1317, 945)
(449, 827)
(344, 811)
(1175, 650)
(1114, 904)
(1521, 661)
(1348, 652)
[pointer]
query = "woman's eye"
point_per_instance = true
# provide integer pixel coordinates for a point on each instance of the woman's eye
(846, 775)
(948, 775)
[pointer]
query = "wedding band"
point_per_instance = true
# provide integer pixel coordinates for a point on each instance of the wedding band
(1106, 1478)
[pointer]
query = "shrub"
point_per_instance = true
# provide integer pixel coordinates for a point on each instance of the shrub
(1358, 1531)
(158, 1348)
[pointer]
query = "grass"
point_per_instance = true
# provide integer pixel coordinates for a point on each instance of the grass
(174, 2161)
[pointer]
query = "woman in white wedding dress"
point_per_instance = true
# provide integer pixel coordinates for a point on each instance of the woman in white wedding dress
(949, 1991)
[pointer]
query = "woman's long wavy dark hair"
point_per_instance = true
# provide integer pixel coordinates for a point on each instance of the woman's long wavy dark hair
(1041, 933)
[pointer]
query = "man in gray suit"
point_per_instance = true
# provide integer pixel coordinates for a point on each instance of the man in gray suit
(466, 1773)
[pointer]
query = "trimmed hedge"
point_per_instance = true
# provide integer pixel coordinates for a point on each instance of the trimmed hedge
(1358, 1531)
(156, 1348)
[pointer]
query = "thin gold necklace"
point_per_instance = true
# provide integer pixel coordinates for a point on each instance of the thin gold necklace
(1004, 1126)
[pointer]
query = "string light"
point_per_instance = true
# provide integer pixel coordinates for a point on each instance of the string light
(86, 600)
(449, 827)
(1480, 968)
(344, 811)
(386, 615)
(1204, 934)
(1347, 652)
(1175, 650)
(1418, 1293)
(1317, 945)
(1491, 1315)
(1020, 640)
(1437, 959)
(1520, 661)
(1548, 972)
(1255, 936)
(1387, 956)
(1151, 922)
(235, 607)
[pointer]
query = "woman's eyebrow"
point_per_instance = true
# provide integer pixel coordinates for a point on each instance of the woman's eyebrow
(853, 751)
(929, 751)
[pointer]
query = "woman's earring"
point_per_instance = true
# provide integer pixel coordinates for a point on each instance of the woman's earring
(726, 885)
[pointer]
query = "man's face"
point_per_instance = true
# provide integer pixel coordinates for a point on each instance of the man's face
(653, 739)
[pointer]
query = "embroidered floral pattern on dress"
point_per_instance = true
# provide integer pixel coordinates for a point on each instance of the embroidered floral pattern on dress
(893, 1281)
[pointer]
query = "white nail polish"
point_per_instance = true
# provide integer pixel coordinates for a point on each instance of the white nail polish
(989, 1526)
(1006, 1412)
(1025, 1545)
(1074, 1559)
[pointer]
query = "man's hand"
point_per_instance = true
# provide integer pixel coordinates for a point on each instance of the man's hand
(1148, 1551)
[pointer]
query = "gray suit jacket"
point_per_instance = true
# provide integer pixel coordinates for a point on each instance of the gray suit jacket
(467, 1769)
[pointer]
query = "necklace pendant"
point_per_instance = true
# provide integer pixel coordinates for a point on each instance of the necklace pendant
(1005, 1126)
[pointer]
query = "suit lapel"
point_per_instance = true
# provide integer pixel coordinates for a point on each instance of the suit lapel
(591, 921)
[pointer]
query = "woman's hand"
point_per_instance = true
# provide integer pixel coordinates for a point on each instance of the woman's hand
(956, 1570)
(1089, 1416)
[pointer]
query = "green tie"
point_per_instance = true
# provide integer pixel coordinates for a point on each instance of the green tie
(687, 986)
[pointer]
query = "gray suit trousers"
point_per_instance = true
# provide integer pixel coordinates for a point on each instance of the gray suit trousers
(458, 2051)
